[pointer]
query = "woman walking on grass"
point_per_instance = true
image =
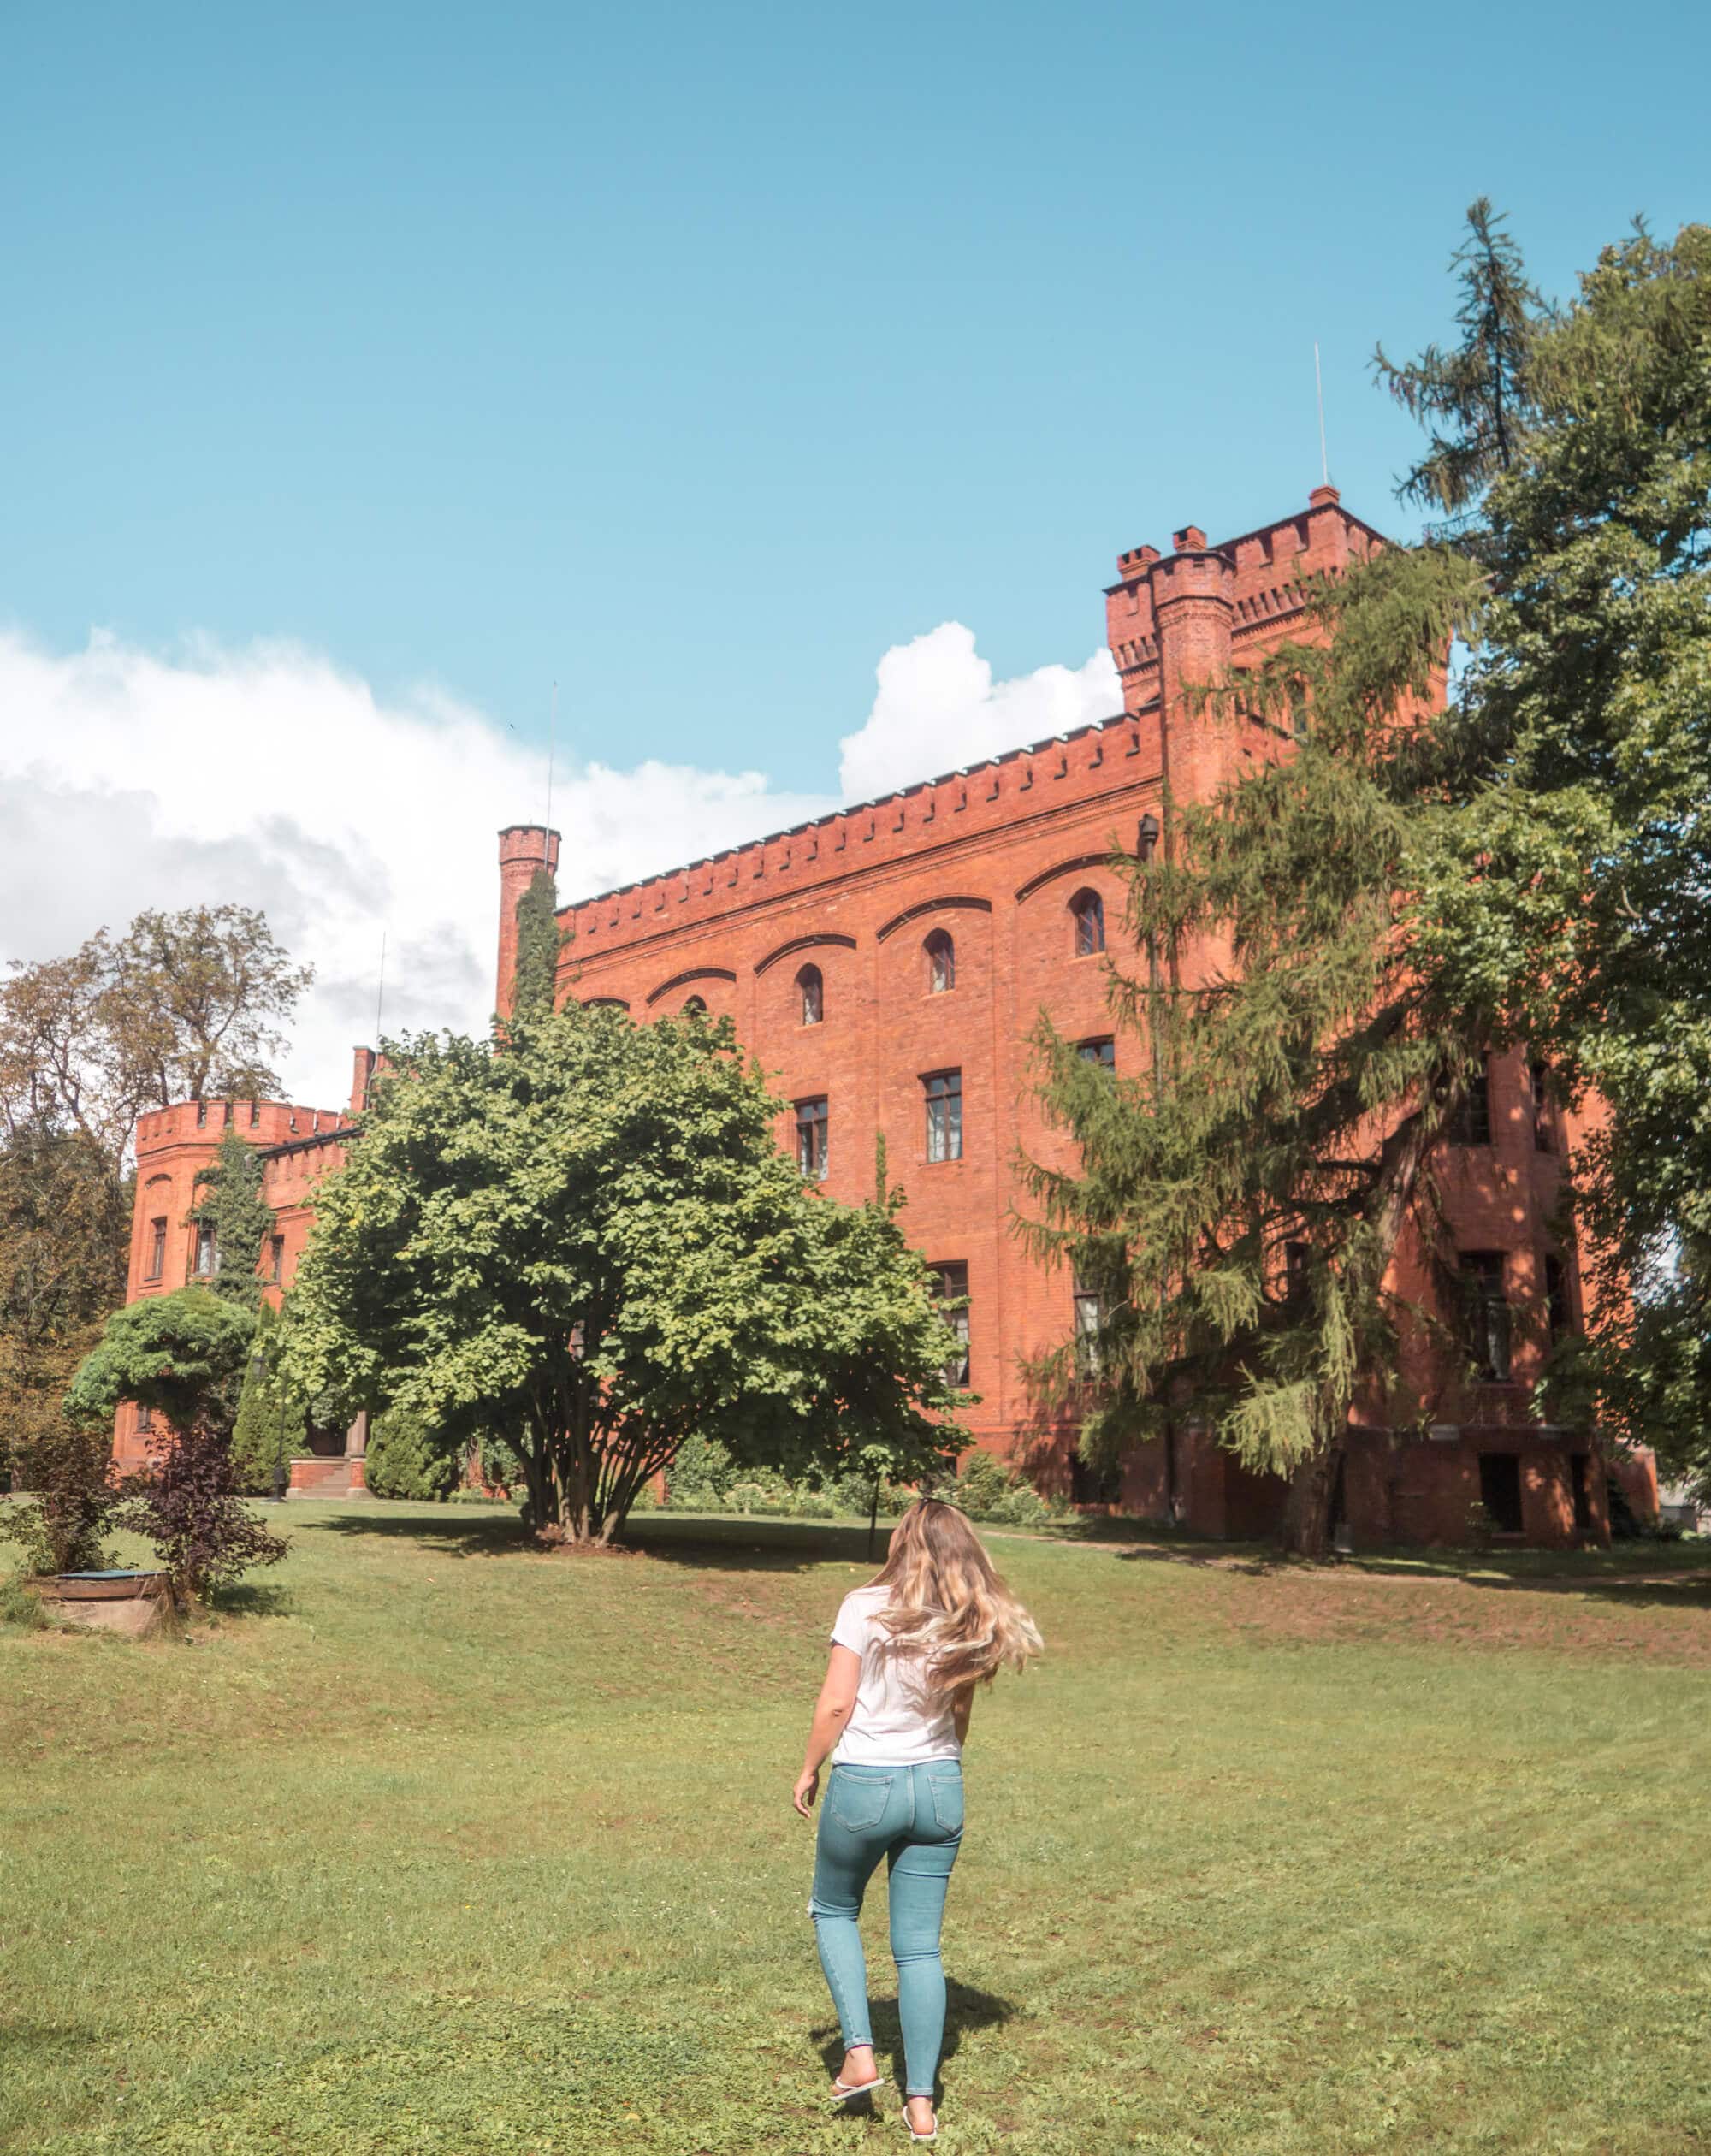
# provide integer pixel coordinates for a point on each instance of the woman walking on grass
(906, 1653)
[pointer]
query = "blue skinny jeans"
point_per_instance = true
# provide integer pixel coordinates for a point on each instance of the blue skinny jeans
(912, 1817)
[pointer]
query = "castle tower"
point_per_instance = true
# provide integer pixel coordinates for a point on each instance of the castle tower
(524, 850)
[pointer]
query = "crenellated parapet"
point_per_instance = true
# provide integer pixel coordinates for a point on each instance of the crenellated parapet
(1062, 771)
(1260, 578)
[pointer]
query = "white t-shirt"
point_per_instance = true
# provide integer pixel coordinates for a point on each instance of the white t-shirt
(895, 1722)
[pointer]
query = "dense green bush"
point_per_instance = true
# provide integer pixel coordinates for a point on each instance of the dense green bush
(705, 1479)
(702, 1476)
(406, 1459)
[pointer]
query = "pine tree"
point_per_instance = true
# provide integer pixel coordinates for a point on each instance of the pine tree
(1238, 1204)
(1481, 389)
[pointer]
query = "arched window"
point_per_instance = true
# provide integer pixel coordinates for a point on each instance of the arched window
(1088, 910)
(813, 990)
(941, 963)
(695, 1008)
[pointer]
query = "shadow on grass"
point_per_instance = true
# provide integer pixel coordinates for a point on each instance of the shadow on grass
(1684, 1590)
(965, 2009)
(703, 1539)
(252, 1598)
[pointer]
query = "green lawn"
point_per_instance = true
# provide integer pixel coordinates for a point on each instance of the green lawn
(434, 1844)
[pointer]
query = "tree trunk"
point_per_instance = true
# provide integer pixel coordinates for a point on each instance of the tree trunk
(1306, 1530)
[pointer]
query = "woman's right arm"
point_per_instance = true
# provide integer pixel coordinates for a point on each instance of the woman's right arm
(834, 1707)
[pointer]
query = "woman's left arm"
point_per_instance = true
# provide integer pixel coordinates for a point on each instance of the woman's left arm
(831, 1710)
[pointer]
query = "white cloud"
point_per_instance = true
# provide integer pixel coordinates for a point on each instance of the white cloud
(939, 709)
(268, 778)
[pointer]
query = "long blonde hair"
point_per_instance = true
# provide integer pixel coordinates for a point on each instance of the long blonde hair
(945, 1603)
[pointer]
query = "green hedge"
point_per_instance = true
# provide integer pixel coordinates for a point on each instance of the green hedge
(704, 1478)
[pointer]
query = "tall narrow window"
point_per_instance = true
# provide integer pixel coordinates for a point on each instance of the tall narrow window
(1295, 1277)
(1558, 1316)
(228, 1117)
(201, 1115)
(276, 1257)
(944, 1092)
(1102, 1052)
(813, 1133)
(1090, 1321)
(156, 1250)
(1087, 911)
(953, 1288)
(812, 988)
(255, 1113)
(941, 963)
(145, 1421)
(1485, 1314)
(1473, 1125)
(1544, 1132)
(207, 1254)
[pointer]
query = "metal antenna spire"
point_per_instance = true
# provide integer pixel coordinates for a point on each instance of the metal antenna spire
(1319, 385)
(551, 748)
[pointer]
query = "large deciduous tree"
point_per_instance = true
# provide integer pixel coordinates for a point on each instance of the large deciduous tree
(183, 1004)
(1577, 898)
(62, 1221)
(583, 1238)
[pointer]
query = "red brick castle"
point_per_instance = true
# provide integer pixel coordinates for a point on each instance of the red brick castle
(886, 963)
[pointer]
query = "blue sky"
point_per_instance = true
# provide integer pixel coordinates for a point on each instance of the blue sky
(783, 381)
(697, 356)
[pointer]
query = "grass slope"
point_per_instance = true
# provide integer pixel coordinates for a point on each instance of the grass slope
(432, 1845)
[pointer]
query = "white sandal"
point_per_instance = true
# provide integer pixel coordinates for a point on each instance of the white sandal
(909, 2122)
(845, 2092)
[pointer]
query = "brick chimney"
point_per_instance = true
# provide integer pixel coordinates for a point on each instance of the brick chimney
(524, 849)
